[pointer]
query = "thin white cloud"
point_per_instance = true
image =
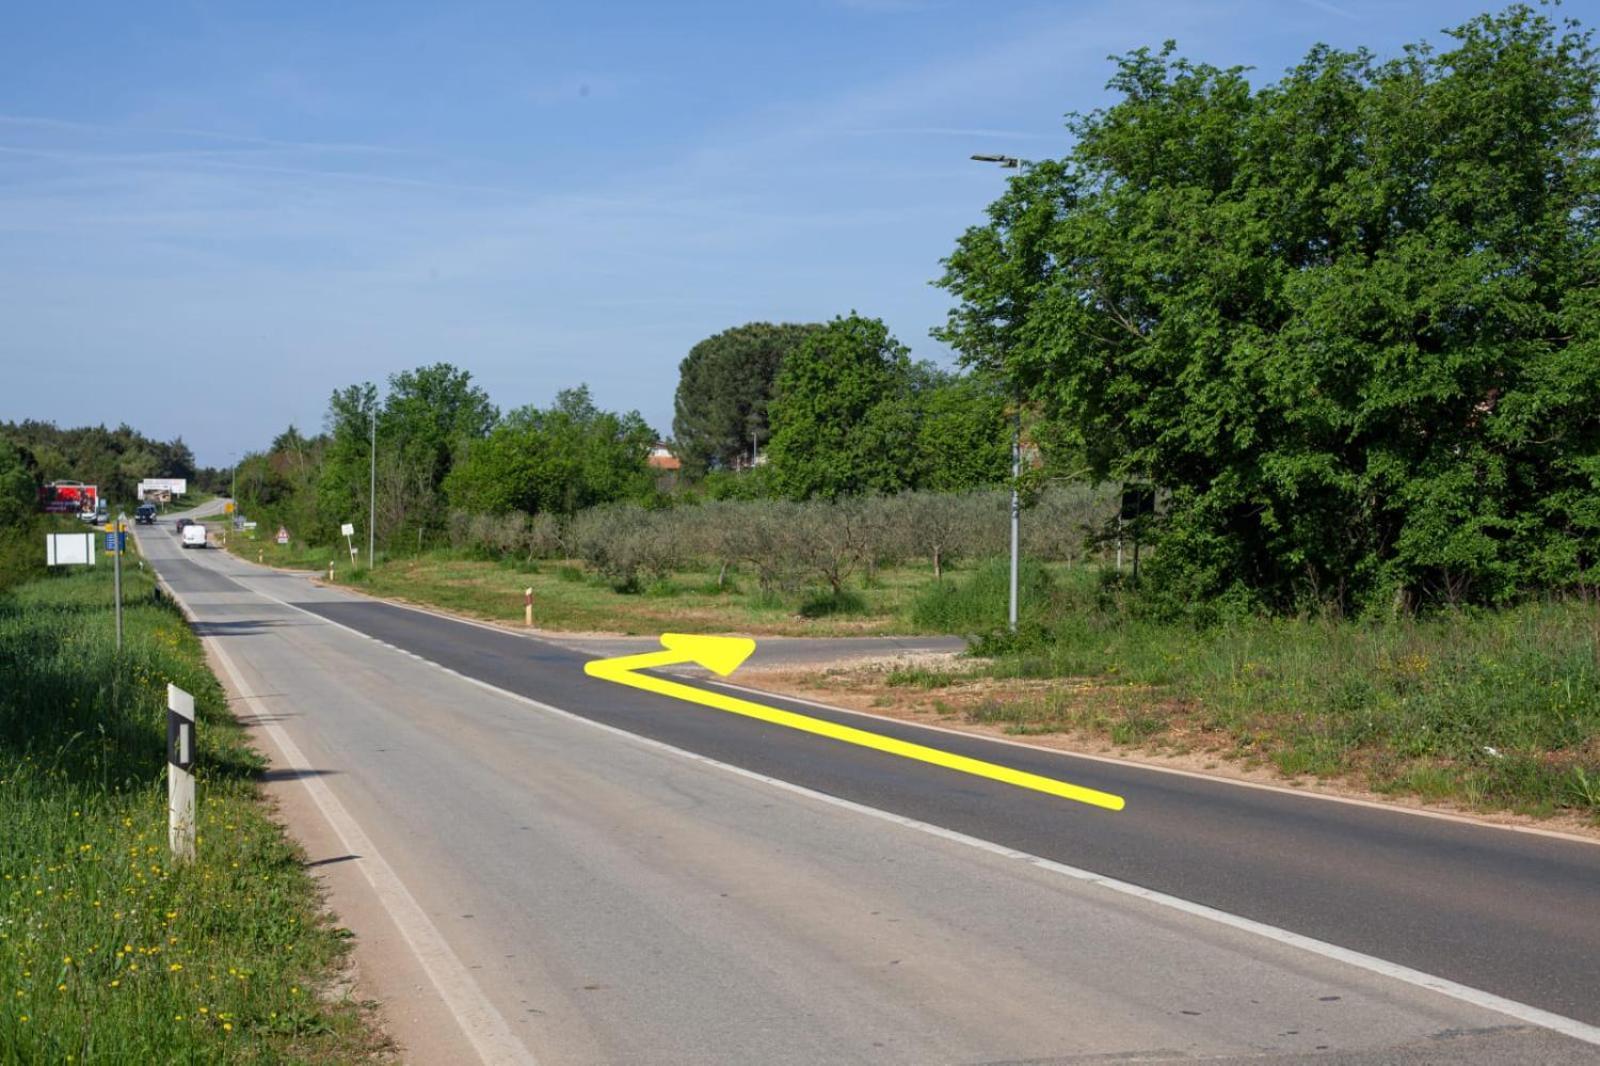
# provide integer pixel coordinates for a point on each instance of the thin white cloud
(947, 131)
(46, 122)
(1332, 9)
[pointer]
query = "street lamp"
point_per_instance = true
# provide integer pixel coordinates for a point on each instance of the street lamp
(372, 488)
(1011, 162)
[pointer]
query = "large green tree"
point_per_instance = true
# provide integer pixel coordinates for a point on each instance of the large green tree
(19, 484)
(1350, 321)
(562, 458)
(342, 489)
(724, 388)
(963, 438)
(426, 419)
(843, 417)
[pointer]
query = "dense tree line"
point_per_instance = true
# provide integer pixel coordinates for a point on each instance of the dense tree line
(116, 460)
(841, 409)
(1348, 321)
(442, 446)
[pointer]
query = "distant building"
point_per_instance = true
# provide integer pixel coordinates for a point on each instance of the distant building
(661, 458)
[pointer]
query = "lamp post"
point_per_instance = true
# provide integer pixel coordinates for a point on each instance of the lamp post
(1011, 162)
(372, 488)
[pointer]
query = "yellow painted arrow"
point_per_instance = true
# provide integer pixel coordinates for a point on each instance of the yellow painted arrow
(722, 655)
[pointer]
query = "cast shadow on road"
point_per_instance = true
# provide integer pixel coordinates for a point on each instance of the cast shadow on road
(243, 627)
(330, 861)
(289, 773)
(251, 721)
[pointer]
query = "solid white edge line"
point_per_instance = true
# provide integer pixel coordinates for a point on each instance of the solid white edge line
(484, 1027)
(1524, 1012)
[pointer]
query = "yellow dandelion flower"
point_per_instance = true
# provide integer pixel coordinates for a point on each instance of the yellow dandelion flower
(175, 967)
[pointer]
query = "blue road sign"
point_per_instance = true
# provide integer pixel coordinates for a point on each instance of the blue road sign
(116, 542)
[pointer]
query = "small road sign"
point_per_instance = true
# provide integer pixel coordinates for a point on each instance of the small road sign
(69, 549)
(283, 535)
(116, 543)
(348, 529)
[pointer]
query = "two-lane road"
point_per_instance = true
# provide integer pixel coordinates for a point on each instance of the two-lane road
(616, 877)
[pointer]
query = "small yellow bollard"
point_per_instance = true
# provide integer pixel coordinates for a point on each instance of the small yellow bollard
(527, 606)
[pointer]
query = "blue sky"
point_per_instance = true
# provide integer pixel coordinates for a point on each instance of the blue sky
(214, 214)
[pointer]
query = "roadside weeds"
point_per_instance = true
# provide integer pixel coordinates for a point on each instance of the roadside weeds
(109, 950)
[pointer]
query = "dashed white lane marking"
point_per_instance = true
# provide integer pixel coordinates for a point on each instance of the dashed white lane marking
(1524, 1012)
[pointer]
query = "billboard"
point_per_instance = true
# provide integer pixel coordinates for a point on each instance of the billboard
(176, 486)
(68, 497)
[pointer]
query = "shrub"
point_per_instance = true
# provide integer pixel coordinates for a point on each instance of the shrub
(980, 603)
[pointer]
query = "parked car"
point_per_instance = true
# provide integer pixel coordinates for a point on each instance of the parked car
(145, 514)
(182, 522)
(194, 535)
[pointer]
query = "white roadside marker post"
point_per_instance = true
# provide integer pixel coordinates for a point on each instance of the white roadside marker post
(330, 571)
(180, 779)
(527, 606)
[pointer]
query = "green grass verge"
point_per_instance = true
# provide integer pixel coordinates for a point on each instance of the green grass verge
(1492, 709)
(566, 597)
(110, 952)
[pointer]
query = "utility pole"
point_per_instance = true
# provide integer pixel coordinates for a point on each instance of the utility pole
(1011, 162)
(372, 489)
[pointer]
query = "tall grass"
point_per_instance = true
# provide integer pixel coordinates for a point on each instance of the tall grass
(110, 952)
(977, 602)
(1493, 708)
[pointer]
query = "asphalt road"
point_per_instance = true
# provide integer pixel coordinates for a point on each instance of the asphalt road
(619, 902)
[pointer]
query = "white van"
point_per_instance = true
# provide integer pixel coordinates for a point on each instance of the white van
(194, 535)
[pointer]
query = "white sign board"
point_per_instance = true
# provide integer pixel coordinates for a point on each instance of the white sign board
(175, 485)
(348, 530)
(69, 549)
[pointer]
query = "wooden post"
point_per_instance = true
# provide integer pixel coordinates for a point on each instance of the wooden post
(527, 606)
(180, 779)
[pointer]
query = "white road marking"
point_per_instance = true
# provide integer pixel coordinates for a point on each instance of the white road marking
(1524, 1012)
(484, 1027)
